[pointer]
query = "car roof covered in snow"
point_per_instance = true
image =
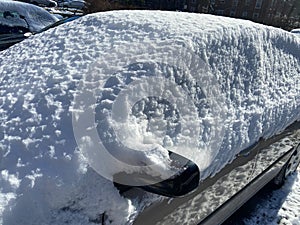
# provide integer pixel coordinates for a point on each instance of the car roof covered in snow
(232, 82)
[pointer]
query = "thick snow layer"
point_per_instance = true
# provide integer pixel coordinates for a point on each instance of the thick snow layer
(203, 86)
(36, 17)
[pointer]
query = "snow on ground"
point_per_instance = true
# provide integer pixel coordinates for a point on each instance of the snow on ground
(36, 17)
(213, 71)
(279, 207)
(272, 207)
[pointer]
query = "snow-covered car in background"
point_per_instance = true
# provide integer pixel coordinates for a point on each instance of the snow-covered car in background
(11, 34)
(146, 117)
(296, 31)
(18, 19)
(73, 4)
(60, 22)
(48, 3)
(27, 16)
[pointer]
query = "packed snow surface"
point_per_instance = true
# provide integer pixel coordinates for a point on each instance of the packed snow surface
(35, 17)
(200, 85)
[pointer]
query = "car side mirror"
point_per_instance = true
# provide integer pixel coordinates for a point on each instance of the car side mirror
(181, 183)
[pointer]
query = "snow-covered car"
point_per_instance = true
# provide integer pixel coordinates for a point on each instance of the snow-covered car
(11, 33)
(74, 4)
(60, 22)
(18, 20)
(146, 117)
(296, 31)
(48, 3)
(19, 15)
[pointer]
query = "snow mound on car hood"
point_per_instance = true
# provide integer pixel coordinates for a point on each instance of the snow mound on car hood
(214, 86)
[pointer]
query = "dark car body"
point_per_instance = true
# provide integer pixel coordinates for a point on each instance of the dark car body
(7, 40)
(12, 34)
(18, 34)
(218, 197)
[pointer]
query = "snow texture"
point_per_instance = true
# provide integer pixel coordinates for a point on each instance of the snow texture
(45, 178)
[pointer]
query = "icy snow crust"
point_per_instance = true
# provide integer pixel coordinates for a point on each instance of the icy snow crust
(45, 178)
(36, 17)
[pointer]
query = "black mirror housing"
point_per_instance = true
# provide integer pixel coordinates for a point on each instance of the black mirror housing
(183, 182)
